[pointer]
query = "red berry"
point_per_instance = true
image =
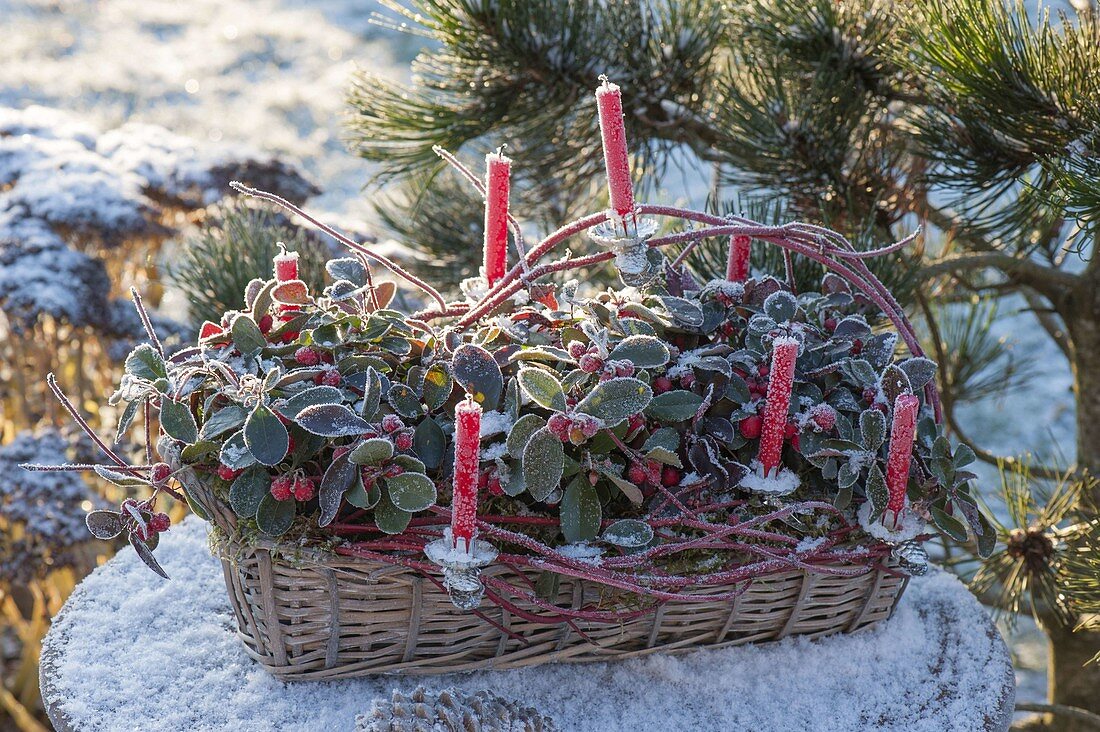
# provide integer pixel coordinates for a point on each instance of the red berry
(577, 349)
(653, 471)
(305, 489)
(830, 324)
(290, 336)
(306, 356)
(823, 416)
(687, 380)
(635, 423)
(750, 426)
(662, 384)
(160, 522)
(144, 532)
(328, 377)
(636, 474)
(392, 423)
(559, 426)
(160, 473)
(340, 452)
(483, 480)
(265, 324)
(791, 430)
(857, 347)
(670, 476)
(869, 394)
(624, 368)
(495, 488)
(589, 425)
(590, 363)
(282, 488)
(404, 440)
(763, 369)
(227, 473)
(130, 503)
(393, 470)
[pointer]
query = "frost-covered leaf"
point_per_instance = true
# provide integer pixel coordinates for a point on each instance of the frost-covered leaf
(335, 482)
(581, 512)
(374, 451)
(262, 302)
(543, 464)
(104, 525)
(119, 478)
(177, 421)
(674, 406)
(780, 306)
(879, 349)
(894, 382)
(275, 518)
(247, 490)
(877, 493)
(664, 456)
(872, 429)
(292, 292)
(411, 491)
(987, 536)
(964, 455)
(949, 524)
(430, 443)
(372, 393)
(146, 555)
(476, 371)
(246, 335)
(616, 399)
(919, 370)
(234, 452)
(362, 496)
(308, 398)
(390, 518)
(521, 432)
(664, 437)
(229, 417)
(860, 372)
(641, 350)
(629, 533)
(685, 312)
(848, 474)
(266, 436)
(145, 363)
(437, 386)
(542, 388)
(404, 401)
(852, 327)
(127, 418)
(331, 420)
(347, 268)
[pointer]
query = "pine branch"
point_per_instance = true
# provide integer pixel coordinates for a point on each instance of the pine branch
(1050, 322)
(1047, 280)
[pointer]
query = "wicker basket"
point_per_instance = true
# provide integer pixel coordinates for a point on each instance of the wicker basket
(308, 615)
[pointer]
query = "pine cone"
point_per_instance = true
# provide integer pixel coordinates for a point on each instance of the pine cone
(451, 710)
(912, 557)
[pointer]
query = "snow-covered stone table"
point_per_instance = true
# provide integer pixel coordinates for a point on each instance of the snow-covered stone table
(132, 651)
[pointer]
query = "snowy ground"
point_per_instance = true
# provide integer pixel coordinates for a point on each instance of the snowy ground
(273, 74)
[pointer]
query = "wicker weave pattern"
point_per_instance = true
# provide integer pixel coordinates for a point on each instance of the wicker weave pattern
(309, 615)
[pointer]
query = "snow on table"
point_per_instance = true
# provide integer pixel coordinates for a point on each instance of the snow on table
(131, 651)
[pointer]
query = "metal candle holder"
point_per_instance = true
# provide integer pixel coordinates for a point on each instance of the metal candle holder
(626, 236)
(462, 569)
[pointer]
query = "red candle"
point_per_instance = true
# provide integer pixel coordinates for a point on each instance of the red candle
(609, 100)
(902, 431)
(467, 454)
(780, 382)
(286, 266)
(737, 269)
(497, 174)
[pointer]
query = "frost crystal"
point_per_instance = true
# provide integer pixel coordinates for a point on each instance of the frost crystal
(777, 483)
(909, 524)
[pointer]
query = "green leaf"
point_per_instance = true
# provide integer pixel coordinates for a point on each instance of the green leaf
(542, 388)
(674, 406)
(266, 436)
(581, 512)
(893, 383)
(437, 386)
(248, 490)
(877, 493)
(521, 432)
(543, 464)
(780, 306)
(411, 491)
(331, 420)
(848, 474)
(390, 518)
(246, 335)
(643, 351)
(964, 455)
(476, 372)
(872, 429)
(430, 443)
(629, 533)
(987, 539)
(104, 525)
(273, 517)
(335, 482)
(919, 370)
(145, 363)
(177, 421)
(362, 497)
(263, 302)
(685, 312)
(664, 456)
(405, 401)
(234, 453)
(146, 555)
(229, 417)
(310, 397)
(616, 399)
(949, 524)
(665, 437)
(372, 452)
(372, 395)
(127, 418)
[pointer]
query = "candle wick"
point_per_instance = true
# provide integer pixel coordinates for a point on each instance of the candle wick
(604, 79)
(500, 150)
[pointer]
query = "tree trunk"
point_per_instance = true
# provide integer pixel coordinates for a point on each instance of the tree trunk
(1072, 680)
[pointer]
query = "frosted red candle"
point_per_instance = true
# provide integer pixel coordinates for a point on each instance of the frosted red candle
(467, 456)
(619, 185)
(780, 383)
(737, 269)
(286, 266)
(902, 431)
(498, 171)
